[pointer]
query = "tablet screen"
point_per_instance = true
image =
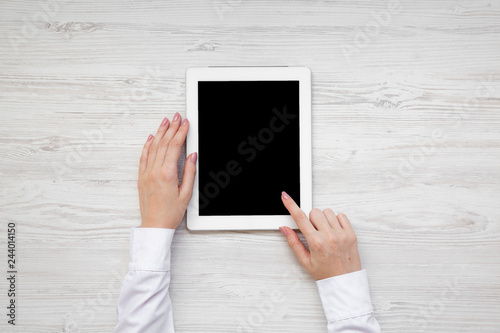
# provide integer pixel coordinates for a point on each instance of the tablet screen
(248, 146)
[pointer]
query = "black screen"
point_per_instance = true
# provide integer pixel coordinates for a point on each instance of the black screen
(248, 146)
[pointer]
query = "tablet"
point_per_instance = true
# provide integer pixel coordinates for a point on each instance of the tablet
(251, 127)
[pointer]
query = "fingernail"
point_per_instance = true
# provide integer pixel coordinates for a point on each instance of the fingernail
(164, 122)
(150, 137)
(285, 195)
(184, 122)
(193, 157)
(176, 116)
(284, 231)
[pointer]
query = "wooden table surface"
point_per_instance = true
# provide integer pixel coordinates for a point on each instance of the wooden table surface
(406, 142)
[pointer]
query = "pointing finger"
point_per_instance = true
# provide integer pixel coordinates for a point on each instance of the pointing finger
(298, 215)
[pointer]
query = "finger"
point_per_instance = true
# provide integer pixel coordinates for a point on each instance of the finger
(344, 222)
(296, 245)
(332, 219)
(175, 145)
(163, 148)
(319, 220)
(298, 215)
(144, 155)
(186, 189)
(153, 150)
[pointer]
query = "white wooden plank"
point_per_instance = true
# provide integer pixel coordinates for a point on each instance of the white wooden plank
(425, 208)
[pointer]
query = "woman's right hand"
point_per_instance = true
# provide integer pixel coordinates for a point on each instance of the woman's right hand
(333, 247)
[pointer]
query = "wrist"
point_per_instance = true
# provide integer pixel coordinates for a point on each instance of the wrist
(336, 273)
(157, 224)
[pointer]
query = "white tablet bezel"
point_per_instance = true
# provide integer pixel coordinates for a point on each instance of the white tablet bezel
(250, 222)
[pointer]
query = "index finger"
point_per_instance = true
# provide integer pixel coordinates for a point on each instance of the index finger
(298, 215)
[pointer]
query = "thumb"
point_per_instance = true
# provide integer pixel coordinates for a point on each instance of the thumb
(186, 188)
(296, 245)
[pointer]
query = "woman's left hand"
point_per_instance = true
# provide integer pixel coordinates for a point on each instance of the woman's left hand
(163, 202)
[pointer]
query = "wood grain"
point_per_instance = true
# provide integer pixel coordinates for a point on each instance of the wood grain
(406, 141)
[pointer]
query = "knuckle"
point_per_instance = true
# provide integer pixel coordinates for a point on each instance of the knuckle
(192, 170)
(168, 173)
(301, 216)
(334, 241)
(190, 167)
(154, 146)
(154, 176)
(317, 244)
(343, 238)
(163, 142)
(353, 239)
(175, 143)
(332, 238)
(297, 214)
(328, 211)
(314, 212)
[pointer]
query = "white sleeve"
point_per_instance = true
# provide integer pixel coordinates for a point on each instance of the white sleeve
(144, 304)
(347, 303)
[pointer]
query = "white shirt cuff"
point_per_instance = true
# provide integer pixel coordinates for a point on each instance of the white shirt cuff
(150, 249)
(345, 296)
